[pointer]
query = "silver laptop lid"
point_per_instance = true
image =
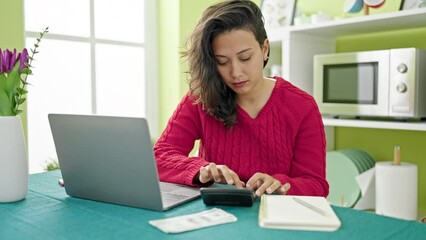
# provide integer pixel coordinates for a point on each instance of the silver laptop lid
(107, 159)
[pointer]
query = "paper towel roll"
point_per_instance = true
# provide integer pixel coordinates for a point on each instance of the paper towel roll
(396, 190)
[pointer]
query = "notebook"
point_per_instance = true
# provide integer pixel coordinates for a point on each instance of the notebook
(110, 159)
(297, 213)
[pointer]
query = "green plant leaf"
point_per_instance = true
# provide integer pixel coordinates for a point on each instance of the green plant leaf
(5, 107)
(22, 91)
(26, 71)
(13, 80)
(3, 79)
(15, 100)
(21, 101)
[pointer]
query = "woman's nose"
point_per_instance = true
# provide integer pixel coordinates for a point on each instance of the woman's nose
(236, 69)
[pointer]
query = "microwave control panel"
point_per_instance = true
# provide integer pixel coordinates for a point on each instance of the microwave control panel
(407, 85)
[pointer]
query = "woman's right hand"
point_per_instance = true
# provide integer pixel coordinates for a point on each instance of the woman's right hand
(219, 174)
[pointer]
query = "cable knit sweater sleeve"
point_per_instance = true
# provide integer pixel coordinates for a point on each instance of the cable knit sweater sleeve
(176, 142)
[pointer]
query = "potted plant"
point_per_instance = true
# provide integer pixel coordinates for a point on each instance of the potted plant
(14, 70)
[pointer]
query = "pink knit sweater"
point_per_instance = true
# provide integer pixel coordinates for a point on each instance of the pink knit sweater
(286, 140)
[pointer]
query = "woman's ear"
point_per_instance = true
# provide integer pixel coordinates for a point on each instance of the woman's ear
(265, 48)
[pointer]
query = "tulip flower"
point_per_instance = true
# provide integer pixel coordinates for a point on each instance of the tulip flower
(23, 58)
(8, 60)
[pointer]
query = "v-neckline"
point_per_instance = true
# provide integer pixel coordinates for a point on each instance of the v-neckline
(242, 113)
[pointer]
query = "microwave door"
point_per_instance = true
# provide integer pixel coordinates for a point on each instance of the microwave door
(352, 84)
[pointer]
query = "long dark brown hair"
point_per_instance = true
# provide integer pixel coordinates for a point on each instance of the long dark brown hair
(205, 84)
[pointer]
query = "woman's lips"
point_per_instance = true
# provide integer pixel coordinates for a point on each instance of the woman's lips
(239, 84)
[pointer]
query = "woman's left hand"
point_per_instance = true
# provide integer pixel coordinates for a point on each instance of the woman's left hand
(262, 182)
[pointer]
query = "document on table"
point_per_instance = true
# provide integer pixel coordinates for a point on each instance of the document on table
(297, 213)
(214, 216)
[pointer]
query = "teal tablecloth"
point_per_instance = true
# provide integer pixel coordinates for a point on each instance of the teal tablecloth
(48, 213)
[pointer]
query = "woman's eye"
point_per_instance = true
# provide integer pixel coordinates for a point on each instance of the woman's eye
(245, 59)
(220, 63)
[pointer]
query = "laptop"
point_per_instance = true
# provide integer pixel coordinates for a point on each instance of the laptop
(110, 159)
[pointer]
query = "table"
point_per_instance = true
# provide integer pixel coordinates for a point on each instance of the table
(49, 213)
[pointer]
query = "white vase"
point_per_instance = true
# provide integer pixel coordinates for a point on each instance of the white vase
(13, 160)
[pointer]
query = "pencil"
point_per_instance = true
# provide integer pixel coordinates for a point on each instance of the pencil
(310, 206)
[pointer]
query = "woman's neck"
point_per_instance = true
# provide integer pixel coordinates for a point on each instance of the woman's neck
(254, 102)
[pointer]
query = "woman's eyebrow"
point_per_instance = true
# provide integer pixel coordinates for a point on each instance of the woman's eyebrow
(245, 50)
(238, 53)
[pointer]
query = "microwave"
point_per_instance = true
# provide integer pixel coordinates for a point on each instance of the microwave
(382, 83)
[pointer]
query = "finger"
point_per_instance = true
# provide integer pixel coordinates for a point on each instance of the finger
(230, 176)
(236, 180)
(205, 175)
(283, 189)
(243, 184)
(273, 187)
(238, 183)
(266, 183)
(214, 172)
(227, 174)
(253, 181)
(259, 183)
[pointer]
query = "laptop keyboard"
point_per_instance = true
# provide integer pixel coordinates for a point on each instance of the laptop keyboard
(172, 193)
(171, 197)
(167, 187)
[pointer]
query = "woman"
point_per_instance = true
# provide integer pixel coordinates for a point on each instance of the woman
(256, 132)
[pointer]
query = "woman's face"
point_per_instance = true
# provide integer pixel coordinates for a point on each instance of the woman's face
(239, 60)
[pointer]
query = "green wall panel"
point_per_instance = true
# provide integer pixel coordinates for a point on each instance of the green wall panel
(414, 37)
(168, 47)
(11, 24)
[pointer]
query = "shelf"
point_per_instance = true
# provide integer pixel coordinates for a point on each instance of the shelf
(414, 18)
(415, 126)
